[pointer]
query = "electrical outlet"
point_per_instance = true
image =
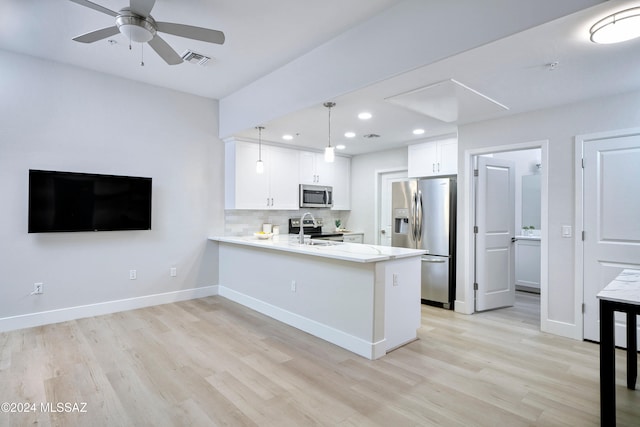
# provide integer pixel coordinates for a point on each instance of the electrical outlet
(293, 286)
(173, 272)
(133, 274)
(38, 288)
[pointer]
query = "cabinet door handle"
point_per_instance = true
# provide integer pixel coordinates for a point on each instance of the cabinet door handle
(267, 201)
(433, 168)
(272, 201)
(438, 167)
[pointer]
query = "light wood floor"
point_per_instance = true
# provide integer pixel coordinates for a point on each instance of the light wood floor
(212, 362)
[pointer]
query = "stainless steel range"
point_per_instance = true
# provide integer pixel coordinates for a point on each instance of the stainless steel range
(313, 232)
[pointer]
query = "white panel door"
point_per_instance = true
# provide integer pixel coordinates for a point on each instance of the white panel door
(611, 221)
(495, 221)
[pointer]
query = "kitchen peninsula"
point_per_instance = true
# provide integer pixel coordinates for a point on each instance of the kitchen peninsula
(364, 298)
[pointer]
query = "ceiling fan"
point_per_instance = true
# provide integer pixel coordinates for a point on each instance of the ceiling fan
(136, 23)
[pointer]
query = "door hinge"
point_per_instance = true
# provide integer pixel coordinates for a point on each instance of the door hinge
(475, 229)
(583, 163)
(475, 286)
(583, 235)
(475, 172)
(583, 307)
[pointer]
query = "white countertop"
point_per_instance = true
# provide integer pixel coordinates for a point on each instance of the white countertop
(624, 288)
(527, 237)
(355, 252)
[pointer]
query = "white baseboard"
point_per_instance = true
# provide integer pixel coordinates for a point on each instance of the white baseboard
(563, 329)
(370, 350)
(72, 313)
(460, 306)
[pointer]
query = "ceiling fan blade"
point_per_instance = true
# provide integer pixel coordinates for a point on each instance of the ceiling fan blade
(90, 5)
(141, 7)
(165, 51)
(94, 36)
(190, 32)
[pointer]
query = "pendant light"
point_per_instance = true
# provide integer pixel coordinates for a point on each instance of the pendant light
(329, 153)
(259, 163)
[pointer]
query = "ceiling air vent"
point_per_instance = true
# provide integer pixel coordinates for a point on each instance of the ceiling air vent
(371, 135)
(195, 58)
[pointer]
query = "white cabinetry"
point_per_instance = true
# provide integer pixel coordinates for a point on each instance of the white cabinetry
(528, 264)
(276, 188)
(353, 237)
(433, 158)
(315, 171)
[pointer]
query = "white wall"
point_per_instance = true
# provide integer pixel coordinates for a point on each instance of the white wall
(62, 118)
(559, 126)
(364, 170)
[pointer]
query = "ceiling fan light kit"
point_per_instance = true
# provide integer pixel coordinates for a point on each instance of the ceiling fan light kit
(617, 27)
(136, 23)
(135, 28)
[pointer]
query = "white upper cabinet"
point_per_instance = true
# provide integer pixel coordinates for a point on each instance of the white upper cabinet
(341, 177)
(315, 170)
(433, 158)
(276, 188)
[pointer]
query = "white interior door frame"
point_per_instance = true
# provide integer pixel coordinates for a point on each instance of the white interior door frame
(465, 302)
(379, 173)
(580, 140)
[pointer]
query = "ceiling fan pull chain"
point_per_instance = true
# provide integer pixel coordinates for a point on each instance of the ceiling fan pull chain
(142, 54)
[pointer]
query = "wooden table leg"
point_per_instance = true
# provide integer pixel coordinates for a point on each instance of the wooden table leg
(607, 366)
(632, 351)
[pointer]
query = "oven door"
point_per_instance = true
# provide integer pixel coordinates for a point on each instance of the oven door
(316, 196)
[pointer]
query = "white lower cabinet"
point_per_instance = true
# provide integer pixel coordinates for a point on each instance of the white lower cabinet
(353, 238)
(275, 188)
(528, 264)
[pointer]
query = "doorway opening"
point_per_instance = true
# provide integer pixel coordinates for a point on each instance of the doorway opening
(514, 253)
(383, 193)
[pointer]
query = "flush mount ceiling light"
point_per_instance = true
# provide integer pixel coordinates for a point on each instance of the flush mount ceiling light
(259, 163)
(287, 137)
(340, 147)
(618, 27)
(329, 153)
(364, 116)
(418, 131)
(349, 134)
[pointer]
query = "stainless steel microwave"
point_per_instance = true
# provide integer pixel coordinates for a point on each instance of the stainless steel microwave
(316, 196)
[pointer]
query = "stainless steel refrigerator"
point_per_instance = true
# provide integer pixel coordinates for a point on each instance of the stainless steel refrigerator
(424, 217)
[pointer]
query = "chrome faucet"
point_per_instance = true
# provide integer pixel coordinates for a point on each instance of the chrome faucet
(315, 224)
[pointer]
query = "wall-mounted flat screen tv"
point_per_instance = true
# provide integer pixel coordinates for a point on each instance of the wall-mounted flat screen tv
(70, 201)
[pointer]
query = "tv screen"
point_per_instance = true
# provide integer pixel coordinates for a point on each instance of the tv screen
(70, 201)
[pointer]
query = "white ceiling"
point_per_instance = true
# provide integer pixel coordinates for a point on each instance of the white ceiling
(262, 36)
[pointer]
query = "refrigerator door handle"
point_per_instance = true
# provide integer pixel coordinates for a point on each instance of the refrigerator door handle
(419, 216)
(413, 217)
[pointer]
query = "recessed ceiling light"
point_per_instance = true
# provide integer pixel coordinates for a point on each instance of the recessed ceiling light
(340, 147)
(418, 131)
(364, 116)
(349, 134)
(287, 137)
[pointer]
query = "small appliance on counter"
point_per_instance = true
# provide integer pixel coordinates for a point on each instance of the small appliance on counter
(424, 217)
(313, 232)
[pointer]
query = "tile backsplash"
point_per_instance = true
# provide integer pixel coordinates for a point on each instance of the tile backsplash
(247, 222)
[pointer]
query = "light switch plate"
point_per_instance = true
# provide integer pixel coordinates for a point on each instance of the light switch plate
(566, 231)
